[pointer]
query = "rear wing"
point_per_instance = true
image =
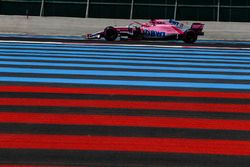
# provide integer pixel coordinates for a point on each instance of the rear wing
(198, 27)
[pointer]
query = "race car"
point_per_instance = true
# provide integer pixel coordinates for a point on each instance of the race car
(155, 29)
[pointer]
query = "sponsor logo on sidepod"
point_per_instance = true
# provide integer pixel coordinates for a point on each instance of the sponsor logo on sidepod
(153, 33)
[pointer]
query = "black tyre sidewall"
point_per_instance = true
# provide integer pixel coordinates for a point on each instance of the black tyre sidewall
(190, 36)
(110, 33)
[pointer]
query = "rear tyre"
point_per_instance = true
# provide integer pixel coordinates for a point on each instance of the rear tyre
(110, 33)
(190, 36)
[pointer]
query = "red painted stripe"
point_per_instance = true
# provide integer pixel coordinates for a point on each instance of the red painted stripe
(132, 92)
(133, 144)
(111, 120)
(119, 104)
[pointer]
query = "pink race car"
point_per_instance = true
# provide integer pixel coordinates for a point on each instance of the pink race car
(154, 29)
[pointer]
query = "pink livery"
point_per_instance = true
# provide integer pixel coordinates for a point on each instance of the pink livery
(157, 29)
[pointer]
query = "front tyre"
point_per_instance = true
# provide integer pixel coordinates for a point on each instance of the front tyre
(190, 36)
(110, 33)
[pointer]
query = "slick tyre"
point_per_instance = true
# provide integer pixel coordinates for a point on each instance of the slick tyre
(190, 36)
(110, 33)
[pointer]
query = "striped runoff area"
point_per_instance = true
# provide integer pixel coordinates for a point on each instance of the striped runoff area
(112, 105)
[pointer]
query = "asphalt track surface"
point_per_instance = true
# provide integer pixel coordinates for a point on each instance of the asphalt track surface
(100, 104)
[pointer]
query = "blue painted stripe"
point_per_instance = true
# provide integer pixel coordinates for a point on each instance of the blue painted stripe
(118, 51)
(115, 47)
(127, 83)
(224, 42)
(139, 57)
(231, 55)
(125, 61)
(152, 63)
(194, 69)
(135, 55)
(124, 74)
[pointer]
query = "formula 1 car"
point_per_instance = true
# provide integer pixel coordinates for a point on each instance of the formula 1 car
(155, 29)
